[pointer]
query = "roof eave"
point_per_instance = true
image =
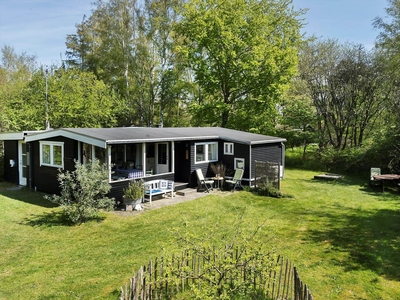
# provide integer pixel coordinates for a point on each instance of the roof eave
(68, 134)
(12, 136)
(153, 140)
(269, 141)
(258, 142)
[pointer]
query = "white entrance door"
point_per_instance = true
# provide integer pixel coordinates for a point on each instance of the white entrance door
(23, 163)
(162, 158)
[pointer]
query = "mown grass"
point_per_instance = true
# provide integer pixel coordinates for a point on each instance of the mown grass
(343, 237)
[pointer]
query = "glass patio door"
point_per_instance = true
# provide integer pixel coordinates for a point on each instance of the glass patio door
(23, 163)
(162, 158)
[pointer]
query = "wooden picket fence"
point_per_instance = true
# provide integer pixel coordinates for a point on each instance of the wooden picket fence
(282, 283)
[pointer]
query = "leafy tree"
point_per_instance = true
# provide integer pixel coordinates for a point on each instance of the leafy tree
(347, 85)
(75, 99)
(388, 38)
(299, 120)
(83, 192)
(388, 43)
(78, 99)
(242, 54)
(103, 45)
(131, 48)
(15, 71)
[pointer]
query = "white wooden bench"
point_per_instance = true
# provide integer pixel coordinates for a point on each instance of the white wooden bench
(158, 187)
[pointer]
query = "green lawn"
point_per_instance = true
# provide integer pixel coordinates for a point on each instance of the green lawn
(343, 237)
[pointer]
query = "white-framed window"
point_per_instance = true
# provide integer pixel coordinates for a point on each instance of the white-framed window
(228, 148)
(239, 163)
(52, 154)
(206, 152)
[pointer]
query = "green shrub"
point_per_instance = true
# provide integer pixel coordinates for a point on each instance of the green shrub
(357, 160)
(268, 190)
(310, 160)
(83, 192)
(135, 190)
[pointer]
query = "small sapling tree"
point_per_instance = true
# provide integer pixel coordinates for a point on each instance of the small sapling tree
(237, 267)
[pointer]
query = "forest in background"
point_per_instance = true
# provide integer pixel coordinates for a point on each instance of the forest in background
(237, 64)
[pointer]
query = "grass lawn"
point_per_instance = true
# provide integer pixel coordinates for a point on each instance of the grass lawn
(343, 237)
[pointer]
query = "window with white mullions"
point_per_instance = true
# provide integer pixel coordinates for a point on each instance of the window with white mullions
(52, 154)
(206, 152)
(228, 149)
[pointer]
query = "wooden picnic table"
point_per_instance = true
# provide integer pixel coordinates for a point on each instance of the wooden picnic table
(387, 177)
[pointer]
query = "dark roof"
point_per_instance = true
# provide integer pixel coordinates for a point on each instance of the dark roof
(120, 135)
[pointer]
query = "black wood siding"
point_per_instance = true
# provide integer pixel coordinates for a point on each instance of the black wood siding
(117, 187)
(263, 152)
(205, 167)
(45, 178)
(266, 152)
(239, 151)
(11, 174)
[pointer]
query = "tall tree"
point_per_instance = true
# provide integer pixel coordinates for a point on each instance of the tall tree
(347, 86)
(388, 43)
(103, 44)
(169, 88)
(388, 39)
(79, 99)
(15, 72)
(73, 99)
(242, 54)
(298, 116)
(129, 45)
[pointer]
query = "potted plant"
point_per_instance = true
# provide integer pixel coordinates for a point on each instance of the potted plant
(133, 194)
(219, 169)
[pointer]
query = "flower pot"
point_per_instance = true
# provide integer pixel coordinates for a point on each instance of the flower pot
(132, 204)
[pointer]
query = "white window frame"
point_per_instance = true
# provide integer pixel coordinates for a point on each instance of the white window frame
(229, 148)
(52, 145)
(206, 159)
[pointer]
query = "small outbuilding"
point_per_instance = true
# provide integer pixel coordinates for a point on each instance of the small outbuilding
(33, 158)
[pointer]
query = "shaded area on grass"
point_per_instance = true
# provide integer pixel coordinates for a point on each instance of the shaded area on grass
(390, 188)
(27, 195)
(47, 219)
(390, 193)
(371, 239)
(53, 218)
(345, 181)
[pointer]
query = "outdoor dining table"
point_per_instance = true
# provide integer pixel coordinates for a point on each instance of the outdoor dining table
(130, 173)
(387, 178)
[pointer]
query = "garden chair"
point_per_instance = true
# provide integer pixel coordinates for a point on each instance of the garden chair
(236, 181)
(207, 182)
(372, 181)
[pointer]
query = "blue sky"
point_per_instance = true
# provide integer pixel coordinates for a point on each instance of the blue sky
(345, 20)
(39, 27)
